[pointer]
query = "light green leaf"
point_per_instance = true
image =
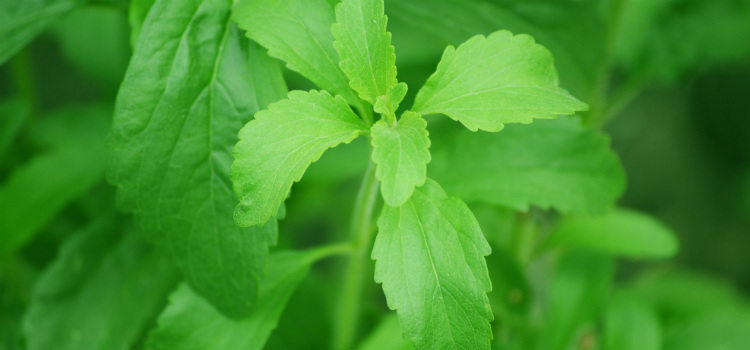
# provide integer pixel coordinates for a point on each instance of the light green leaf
(364, 45)
(191, 85)
(562, 26)
(22, 21)
(191, 323)
(100, 293)
(620, 232)
(298, 32)
(550, 163)
(401, 153)
(276, 148)
(630, 324)
(430, 260)
(490, 81)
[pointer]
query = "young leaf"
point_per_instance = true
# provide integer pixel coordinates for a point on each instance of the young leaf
(191, 85)
(100, 293)
(401, 154)
(550, 163)
(620, 232)
(276, 148)
(21, 21)
(298, 32)
(430, 260)
(189, 322)
(388, 104)
(364, 45)
(490, 81)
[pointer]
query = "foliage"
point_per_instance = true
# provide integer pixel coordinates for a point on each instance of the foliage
(212, 202)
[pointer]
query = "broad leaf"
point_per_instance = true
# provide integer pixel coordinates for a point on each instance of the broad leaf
(401, 154)
(22, 21)
(191, 85)
(276, 148)
(191, 323)
(364, 45)
(430, 260)
(487, 82)
(101, 292)
(630, 324)
(298, 32)
(620, 232)
(562, 26)
(550, 163)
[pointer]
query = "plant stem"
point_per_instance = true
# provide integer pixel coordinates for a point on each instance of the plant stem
(348, 309)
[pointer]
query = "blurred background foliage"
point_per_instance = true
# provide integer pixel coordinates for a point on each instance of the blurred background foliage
(668, 80)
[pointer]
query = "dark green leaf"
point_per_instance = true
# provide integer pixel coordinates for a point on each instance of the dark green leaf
(100, 293)
(191, 323)
(21, 21)
(191, 85)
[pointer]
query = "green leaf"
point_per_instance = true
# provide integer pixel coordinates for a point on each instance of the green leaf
(137, 13)
(386, 336)
(620, 232)
(430, 260)
(364, 45)
(630, 324)
(191, 323)
(401, 153)
(191, 85)
(276, 148)
(22, 21)
(298, 32)
(579, 288)
(100, 293)
(490, 81)
(389, 103)
(511, 293)
(550, 163)
(562, 26)
(14, 112)
(74, 161)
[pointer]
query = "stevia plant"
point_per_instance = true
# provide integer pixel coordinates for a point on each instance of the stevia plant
(429, 247)
(493, 228)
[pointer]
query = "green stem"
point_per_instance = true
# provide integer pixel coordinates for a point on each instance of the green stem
(24, 78)
(349, 303)
(524, 240)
